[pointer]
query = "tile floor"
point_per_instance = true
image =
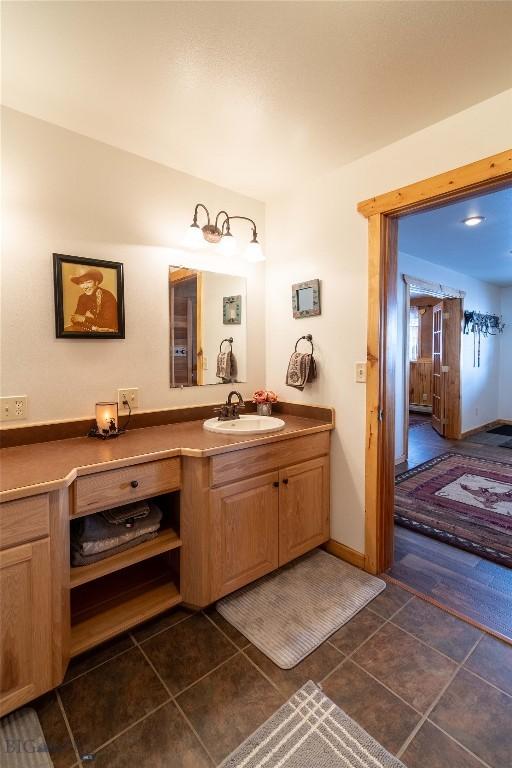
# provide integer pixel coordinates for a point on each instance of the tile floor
(186, 689)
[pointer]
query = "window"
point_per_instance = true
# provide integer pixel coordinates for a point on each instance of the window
(414, 327)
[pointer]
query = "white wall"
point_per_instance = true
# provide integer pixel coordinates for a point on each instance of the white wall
(65, 193)
(479, 386)
(506, 356)
(315, 231)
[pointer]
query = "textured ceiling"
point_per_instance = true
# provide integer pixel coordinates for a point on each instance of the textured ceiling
(484, 251)
(252, 95)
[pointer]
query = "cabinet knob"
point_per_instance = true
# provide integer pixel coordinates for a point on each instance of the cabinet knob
(276, 484)
(134, 483)
(285, 481)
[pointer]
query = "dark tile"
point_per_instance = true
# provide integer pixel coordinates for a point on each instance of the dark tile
(409, 668)
(165, 620)
(431, 748)
(492, 659)
(439, 629)
(234, 635)
(98, 655)
(109, 698)
(229, 704)
(187, 651)
(352, 634)
(55, 731)
(161, 740)
(377, 710)
(314, 667)
(389, 601)
(478, 716)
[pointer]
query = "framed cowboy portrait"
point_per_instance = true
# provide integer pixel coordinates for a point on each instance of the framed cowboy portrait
(89, 298)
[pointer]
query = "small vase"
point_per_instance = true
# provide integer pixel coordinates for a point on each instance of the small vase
(264, 409)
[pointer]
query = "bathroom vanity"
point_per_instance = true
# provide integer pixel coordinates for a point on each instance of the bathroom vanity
(235, 507)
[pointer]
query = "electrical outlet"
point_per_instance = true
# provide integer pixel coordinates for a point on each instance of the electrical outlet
(132, 395)
(13, 408)
(361, 373)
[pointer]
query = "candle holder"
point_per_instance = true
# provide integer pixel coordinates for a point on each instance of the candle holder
(107, 425)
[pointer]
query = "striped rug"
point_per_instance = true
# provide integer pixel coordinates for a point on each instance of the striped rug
(290, 612)
(310, 731)
(22, 743)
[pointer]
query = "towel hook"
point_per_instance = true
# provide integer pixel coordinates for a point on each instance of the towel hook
(230, 342)
(307, 337)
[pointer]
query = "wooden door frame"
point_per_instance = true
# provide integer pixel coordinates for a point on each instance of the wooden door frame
(382, 213)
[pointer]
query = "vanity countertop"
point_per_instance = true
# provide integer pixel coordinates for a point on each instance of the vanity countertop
(41, 467)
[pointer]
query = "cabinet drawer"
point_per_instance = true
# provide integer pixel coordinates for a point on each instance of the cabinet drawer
(254, 461)
(120, 486)
(24, 520)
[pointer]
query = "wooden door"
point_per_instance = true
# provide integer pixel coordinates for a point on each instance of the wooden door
(437, 364)
(25, 613)
(446, 368)
(244, 525)
(303, 508)
(186, 344)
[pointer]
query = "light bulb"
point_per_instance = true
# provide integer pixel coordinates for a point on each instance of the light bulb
(254, 252)
(472, 221)
(228, 245)
(194, 238)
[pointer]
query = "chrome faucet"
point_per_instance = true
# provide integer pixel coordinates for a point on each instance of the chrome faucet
(229, 410)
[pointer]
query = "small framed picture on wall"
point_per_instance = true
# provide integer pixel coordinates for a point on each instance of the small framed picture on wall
(89, 298)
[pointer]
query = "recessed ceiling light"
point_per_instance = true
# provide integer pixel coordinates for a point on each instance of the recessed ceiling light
(472, 221)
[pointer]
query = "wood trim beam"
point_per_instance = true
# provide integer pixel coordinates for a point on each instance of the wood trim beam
(496, 167)
(345, 553)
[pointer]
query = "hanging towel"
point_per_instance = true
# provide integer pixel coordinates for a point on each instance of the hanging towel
(93, 534)
(226, 367)
(301, 370)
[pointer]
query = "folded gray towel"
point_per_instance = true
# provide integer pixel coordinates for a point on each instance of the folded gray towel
(226, 367)
(127, 513)
(78, 559)
(93, 534)
(301, 370)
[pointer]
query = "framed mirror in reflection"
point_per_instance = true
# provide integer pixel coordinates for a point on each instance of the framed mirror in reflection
(206, 345)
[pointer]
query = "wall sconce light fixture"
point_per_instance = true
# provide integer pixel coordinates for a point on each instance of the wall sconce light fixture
(221, 233)
(107, 422)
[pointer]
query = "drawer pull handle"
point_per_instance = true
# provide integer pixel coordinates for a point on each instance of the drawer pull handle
(285, 481)
(276, 484)
(134, 483)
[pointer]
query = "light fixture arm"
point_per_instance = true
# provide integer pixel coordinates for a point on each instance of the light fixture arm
(226, 221)
(244, 218)
(196, 209)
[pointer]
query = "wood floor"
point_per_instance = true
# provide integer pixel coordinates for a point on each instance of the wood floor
(462, 583)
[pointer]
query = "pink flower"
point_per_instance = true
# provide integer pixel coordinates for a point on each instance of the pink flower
(264, 396)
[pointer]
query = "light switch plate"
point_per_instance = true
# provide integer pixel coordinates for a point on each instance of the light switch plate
(13, 408)
(361, 373)
(129, 393)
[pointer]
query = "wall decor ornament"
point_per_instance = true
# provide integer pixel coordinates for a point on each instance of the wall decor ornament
(232, 310)
(89, 298)
(306, 299)
(481, 324)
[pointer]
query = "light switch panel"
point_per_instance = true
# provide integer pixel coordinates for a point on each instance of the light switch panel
(361, 373)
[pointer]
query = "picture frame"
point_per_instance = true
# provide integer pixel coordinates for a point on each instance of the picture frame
(306, 299)
(232, 310)
(88, 298)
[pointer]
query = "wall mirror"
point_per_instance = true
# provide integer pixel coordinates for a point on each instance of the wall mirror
(208, 327)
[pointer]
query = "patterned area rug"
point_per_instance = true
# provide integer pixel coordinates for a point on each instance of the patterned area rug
(310, 731)
(462, 500)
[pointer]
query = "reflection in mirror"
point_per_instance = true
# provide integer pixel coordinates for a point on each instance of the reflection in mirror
(208, 338)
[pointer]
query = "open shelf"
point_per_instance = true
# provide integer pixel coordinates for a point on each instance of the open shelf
(166, 540)
(112, 604)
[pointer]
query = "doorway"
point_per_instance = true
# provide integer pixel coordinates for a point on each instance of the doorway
(383, 214)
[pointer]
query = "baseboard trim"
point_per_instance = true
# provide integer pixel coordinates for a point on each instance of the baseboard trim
(348, 554)
(400, 459)
(489, 425)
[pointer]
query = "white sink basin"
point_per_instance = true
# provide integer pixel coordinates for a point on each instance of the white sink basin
(251, 424)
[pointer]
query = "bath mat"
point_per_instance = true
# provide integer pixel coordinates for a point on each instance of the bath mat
(504, 429)
(310, 731)
(290, 612)
(22, 743)
(465, 501)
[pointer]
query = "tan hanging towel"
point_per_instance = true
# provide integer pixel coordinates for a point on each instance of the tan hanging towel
(301, 370)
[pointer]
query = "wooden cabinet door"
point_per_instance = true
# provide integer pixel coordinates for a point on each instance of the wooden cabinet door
(25, 614)
(244, 526)
(303, 508)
